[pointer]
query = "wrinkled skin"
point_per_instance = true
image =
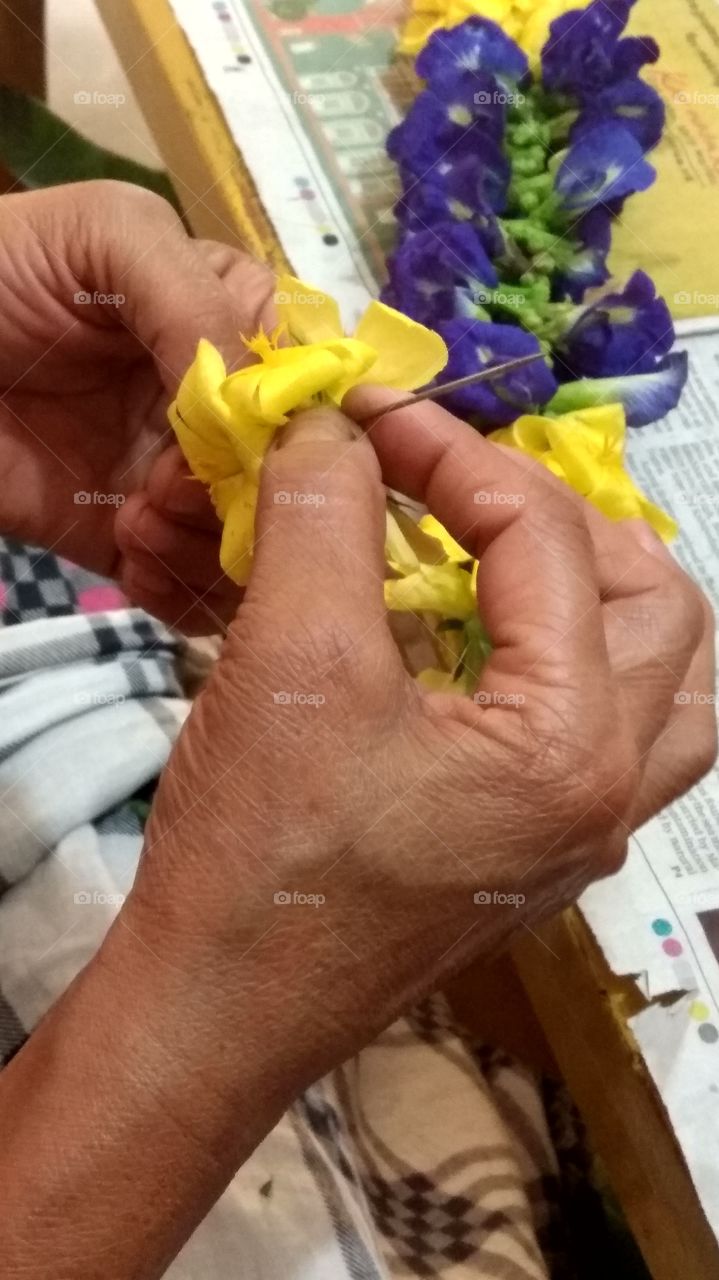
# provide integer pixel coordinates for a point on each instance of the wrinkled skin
(400, 805)
(85, 386)
(212, 1003)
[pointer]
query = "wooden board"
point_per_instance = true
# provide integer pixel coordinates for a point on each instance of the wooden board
(214, 186)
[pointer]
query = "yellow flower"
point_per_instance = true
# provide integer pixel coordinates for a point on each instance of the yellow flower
(526, 21)
(434, 574)
(587, 448)
(436, 681)
(534, 18)
(429, 16)
(451, 548)
(446, 589)
(225, 423)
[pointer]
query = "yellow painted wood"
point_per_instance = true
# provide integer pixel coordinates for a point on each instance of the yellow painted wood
(214, 185)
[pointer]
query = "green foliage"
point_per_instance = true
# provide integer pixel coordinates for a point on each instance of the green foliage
(41, 150)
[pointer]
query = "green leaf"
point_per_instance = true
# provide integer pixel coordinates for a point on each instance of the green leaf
(41, 150)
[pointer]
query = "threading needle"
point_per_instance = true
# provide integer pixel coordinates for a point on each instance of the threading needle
(434, 393)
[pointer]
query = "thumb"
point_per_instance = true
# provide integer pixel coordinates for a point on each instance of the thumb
(321, 521)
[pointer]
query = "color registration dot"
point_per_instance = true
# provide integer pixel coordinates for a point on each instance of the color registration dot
(699, 1011)
(708, 1033)
(672, 947)
(662, 927)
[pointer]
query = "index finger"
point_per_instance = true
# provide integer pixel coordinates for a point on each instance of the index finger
(538, 590)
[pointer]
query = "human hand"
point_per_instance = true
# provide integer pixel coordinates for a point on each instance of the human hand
(395, 806)
(103, 298)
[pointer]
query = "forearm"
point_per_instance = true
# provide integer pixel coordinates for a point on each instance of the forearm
(128, 1112)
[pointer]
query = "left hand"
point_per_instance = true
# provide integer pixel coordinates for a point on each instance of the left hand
(103, 298)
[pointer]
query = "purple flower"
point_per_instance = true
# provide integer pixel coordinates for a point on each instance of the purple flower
(475, 345)
(585, 52)
(622, 333)
(647, 397)
(631, 103)
(465, 191)
(588, 268)
(439, 274)
(464, 160)
(474, 45)
(468, 111)
(605, 164)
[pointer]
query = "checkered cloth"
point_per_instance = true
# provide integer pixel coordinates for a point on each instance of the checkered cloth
(37, 584)
(415, 1159)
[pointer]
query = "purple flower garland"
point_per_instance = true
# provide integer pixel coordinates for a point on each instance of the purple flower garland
(510, 185)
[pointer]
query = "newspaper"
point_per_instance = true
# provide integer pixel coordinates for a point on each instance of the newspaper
(309, 89)
(658, 919)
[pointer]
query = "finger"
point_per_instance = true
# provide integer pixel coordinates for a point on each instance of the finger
(686, 748)
(653, 614)
(321, 527)
(189, 555)
(132, 246)
(194, 612)
(537, 585)
(654, 620)
(174, 492)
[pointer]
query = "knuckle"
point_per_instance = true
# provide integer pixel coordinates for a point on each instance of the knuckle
(556, 516)
(692, 611)
(595, 793)
(612, 853)
(137, 201)
(679, 617)
(702, 755)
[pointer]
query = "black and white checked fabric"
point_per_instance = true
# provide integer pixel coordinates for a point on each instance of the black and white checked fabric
(38, 584)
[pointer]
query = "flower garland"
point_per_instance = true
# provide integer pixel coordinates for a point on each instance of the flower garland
(226, 423)
(515, 160)
(511, 181)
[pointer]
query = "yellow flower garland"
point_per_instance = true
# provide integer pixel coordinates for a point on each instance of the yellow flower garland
(225, 423)
(587, 449)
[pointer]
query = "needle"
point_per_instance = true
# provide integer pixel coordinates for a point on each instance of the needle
(433, 393)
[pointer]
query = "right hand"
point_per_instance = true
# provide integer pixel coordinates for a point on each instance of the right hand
(399, 806)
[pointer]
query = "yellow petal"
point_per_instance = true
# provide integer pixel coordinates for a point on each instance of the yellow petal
(453, 551)
(436, 681)
(235, 501)
(581, 468)
(408, 354)
(201, 419)
(534, 32)
(416, 33)
(588, 444)
(287, 386)
(660, 521)
(528, 433)
(397, 549)
(620, 499)
(408, 544)
(617, 497)
(444, 589)
(310, 314)
(604, 427)
(207, 462)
